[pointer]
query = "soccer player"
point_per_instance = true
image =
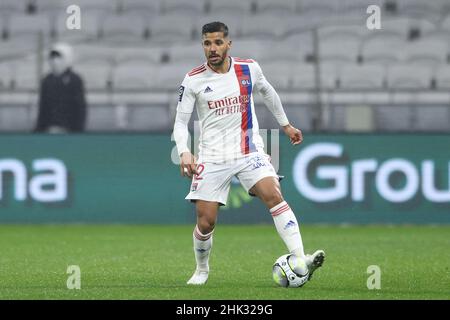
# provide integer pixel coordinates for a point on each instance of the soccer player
(230, 145)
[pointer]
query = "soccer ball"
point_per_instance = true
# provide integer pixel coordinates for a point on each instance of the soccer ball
(290, 271)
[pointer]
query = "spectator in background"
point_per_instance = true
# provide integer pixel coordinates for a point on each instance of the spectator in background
(62, 103)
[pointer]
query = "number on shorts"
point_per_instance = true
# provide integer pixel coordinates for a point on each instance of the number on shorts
(200, 168)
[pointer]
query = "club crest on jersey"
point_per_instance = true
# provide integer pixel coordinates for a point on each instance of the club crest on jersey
(180, 93)
(245, 80)
(208, 89)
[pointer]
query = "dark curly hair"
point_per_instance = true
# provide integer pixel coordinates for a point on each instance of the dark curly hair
(215, 26)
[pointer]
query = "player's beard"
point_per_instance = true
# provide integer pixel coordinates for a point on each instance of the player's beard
(219, 62)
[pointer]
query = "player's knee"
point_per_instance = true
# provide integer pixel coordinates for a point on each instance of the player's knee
(206, 217)
(206, 222)
(206, 226)
(269, 192)
(272, 197)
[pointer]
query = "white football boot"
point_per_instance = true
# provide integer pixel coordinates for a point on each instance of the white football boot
(314, 261)
(199, 277)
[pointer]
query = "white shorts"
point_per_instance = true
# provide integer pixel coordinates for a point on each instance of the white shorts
(212, 183)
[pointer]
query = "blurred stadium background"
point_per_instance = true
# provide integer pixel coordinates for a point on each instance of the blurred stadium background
(337, 79)
(374, 106)
(332, 73)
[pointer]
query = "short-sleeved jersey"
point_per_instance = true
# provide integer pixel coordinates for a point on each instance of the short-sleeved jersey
(224, 102)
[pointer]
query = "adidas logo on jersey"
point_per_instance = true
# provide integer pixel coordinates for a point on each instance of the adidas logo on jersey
(208, 89)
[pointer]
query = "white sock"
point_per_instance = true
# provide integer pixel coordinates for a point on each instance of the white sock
(202, 248)
(287, 227)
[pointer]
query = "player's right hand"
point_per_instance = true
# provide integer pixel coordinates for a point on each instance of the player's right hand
(188, 166)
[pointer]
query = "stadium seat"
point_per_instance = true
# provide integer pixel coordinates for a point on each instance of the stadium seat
(280, 52)
(424, 26)
(418, 8)
(190, 54)
(383, 48)
(442, 77)
(407, 76)
(300, 42)
(426, 51)
(318, 8)
(276, 8)
(445, 24)
(28, 24)
(25, 74)
(171, 29)
(299, 23)
(5, 76)
(278, 73)
(8, 7)
(343, 30)
(438, 35)
(152, 55)
(366, 76)
(148, 8)
(145, 118)
(267, 27)
(304, 77)
(96, 74)
(87, 52)
(17, 47)
(400, 26)
(103, 6)
(3, 27)
(248, 49)
(406, 26)
(329, 72)
(50, 7)
(101, 118)
(124, 27)
(230, 6)
(410, 53)
(135, 75)
(186, 7)
(171, 75)
(360, 6)
(15, 118)
(339, 48)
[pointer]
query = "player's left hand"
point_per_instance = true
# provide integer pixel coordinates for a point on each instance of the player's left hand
(294, 134)
(188, 165)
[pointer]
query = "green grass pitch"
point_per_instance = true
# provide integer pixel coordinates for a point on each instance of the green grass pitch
(154, 262)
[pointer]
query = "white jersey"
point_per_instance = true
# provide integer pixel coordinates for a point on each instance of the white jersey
(224, 101)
